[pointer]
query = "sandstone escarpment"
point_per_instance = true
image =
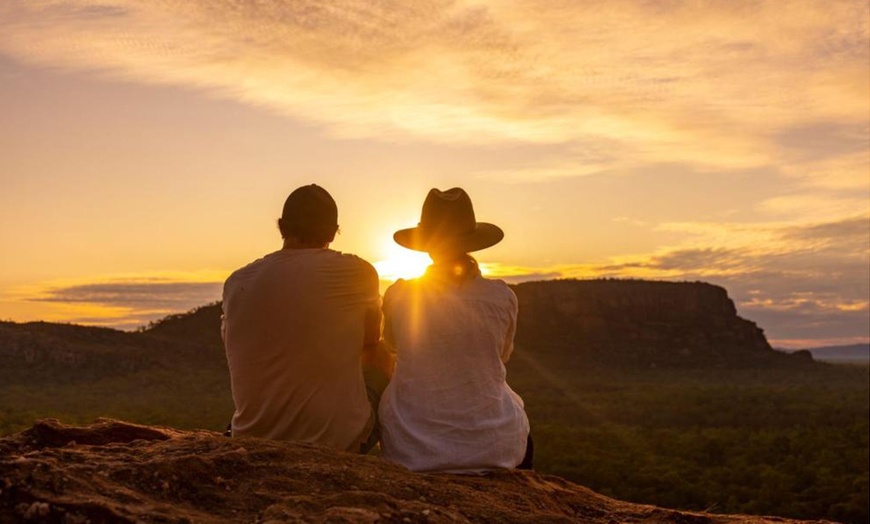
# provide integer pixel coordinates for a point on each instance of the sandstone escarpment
(640, 323)
(113, 471)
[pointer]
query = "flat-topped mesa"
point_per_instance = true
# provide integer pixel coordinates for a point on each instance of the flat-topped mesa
(640, 323)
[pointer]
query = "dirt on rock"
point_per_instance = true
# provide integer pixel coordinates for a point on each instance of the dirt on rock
(113, 471)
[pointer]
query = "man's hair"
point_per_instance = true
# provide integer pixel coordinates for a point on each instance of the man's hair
(310, 215)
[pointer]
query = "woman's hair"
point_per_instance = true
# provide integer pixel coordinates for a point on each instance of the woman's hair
(455, 268)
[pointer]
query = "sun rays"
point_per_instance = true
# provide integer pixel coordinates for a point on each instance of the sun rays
(402, 263)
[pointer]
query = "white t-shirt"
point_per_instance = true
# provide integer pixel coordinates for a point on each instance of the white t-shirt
(448, 406)
(293, 333)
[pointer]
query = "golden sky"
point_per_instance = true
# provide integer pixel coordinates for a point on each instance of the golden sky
(146, 147)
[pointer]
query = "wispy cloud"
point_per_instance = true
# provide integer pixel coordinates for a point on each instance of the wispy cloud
(517, 274)
(712, 84)
(118, 302)
(854, 230)
(153, 295)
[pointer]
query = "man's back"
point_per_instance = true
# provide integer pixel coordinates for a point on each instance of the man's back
(294, 329)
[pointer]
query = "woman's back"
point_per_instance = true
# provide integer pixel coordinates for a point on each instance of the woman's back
(448, 406)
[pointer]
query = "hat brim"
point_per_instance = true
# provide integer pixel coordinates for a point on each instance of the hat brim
(483, 236)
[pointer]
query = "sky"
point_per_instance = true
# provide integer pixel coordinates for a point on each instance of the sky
(146, 147)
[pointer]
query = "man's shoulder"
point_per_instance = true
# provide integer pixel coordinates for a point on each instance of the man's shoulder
(351, 262)
(351, 269)
(246, 270)
(347, 258)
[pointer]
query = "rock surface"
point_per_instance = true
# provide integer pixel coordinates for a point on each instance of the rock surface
(112, 471)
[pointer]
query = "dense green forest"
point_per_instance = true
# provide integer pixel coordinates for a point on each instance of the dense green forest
(784, 442)
(789, 442)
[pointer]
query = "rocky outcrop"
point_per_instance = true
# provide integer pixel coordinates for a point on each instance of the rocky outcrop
(640, 323)
(113, 471)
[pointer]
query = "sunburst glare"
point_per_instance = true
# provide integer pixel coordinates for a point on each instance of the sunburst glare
(402, 263)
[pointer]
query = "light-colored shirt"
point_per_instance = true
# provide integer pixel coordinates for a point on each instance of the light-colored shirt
(448, 406)
(293, 333)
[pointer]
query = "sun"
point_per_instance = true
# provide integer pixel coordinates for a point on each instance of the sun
(402, 263)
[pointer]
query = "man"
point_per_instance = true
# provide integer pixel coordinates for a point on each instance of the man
(297, 324)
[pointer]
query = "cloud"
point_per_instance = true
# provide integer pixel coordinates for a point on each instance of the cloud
(714, 85)
(517, 274)
(718, 260)
(124, 303)
(820, 141)
(854, 230)
(153, 295)
(600, 156)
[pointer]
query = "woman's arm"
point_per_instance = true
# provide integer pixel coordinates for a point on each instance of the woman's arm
(508, 348)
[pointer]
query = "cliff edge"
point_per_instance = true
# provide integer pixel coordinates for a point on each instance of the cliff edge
(641, 323)
(112, 471)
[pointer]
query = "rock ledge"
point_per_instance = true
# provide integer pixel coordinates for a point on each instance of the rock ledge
(113, 471)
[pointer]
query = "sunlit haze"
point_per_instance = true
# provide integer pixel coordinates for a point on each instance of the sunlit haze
(402, 263)
(146, 148)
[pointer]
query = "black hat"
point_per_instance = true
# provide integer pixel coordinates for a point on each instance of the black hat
(310, 204)
(447, 223)
(309, 214)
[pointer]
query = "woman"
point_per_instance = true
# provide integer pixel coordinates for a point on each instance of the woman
(448, 406)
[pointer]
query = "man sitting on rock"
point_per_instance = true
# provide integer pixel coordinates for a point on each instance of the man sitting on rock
(298, 326)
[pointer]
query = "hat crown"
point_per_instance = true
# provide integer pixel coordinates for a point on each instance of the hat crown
(448, 224)
(447, 213)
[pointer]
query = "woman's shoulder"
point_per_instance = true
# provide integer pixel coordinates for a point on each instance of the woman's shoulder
(497, 287)
(492, 291)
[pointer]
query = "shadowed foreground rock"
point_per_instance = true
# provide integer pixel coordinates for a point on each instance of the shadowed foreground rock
(112, 471)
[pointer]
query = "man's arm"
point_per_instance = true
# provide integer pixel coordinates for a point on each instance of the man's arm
(375, 353)
(372, 325)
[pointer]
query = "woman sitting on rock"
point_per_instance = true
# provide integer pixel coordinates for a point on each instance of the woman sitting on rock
(448, 406)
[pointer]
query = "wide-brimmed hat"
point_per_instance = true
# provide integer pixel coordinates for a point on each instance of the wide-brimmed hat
(447, 223)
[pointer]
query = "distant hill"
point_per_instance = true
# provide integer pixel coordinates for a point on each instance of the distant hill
(637, 323)
(853, 353)
(174, 373)
(43, 351)
(200, 326)
(46, 352)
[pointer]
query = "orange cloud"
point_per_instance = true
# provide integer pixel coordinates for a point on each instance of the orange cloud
(120, 301)
(704, 84)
